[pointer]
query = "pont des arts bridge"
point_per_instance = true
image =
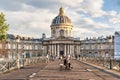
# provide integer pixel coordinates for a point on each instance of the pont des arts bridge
(84, 68)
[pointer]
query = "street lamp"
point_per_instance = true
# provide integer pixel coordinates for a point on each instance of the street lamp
(42, 51)
(82, 52)
(18, 55)
(111, 58)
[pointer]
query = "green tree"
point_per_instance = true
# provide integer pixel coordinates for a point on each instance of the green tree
(3, 28)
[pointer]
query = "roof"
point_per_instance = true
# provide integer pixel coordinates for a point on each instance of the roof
(61, 19)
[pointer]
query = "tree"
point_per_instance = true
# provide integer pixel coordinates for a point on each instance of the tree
(3, 28)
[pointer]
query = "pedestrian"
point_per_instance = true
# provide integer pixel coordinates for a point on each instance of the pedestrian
(79, 56)
(47, 58)
(67, 63)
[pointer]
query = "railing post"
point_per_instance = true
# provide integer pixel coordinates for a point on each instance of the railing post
(119, 64)
(110, 63)
(18, 63)
(103, 62)
(8, 65)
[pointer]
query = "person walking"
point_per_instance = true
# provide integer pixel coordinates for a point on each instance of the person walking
(47, 58)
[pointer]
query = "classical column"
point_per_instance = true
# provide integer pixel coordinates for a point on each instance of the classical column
(79, 49)
(70, 50)
(65, 50)
(52, 48)
(76, 50)
(49, 49)
(57, 50)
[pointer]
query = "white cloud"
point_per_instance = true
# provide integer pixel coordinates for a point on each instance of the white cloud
(28, 22)
(78, 31)
(94, 8)
(33, 20)
(115, 20)
(113, 17)
(90, 7)
(89, 23)
(72, 3)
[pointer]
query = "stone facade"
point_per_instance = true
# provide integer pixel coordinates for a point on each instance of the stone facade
(61, 43)
(26, 47)
(61, 25)
(100, 47)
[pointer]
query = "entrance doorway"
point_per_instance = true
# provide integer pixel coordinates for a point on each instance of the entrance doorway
(61, 53)
(61, 50)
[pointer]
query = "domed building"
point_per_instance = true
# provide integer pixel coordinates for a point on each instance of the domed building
(61, 25)
(61, 42)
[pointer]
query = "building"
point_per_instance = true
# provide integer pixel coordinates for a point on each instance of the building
(61, 43)
(26, 47)
(3, 50)
(117, 45)
(98, 47)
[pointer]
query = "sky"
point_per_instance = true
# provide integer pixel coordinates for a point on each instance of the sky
(90, 18)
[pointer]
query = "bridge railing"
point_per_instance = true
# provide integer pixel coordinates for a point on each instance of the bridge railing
(104, 62)
(8, 65)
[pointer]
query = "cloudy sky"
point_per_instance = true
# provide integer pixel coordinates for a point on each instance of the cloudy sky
(90, 18)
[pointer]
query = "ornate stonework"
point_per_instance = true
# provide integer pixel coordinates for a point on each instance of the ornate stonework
(61, 25)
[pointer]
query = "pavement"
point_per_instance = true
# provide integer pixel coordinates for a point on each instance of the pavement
(80, 71)
(110, 71)
(52, 71)
(23, 73)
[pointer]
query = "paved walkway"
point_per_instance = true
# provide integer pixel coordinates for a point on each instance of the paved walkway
(80, 71)
(22, 74)
(51, 71)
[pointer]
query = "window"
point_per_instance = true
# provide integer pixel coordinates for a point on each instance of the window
(54, 31)
(61, 32)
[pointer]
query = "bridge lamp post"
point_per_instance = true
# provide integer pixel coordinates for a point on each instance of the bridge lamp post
(82, 53)
(18, 55)
(42, 51)
(111, 58)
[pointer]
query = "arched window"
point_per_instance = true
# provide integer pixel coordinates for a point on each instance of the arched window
(54, 32)
(61, 32)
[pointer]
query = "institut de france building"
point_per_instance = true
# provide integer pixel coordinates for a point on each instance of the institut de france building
(61, 43)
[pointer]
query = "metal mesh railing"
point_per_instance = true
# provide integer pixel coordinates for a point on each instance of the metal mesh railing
(104, 62)
(10, 65)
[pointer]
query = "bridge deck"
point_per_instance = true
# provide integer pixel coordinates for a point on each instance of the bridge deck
(51, 71)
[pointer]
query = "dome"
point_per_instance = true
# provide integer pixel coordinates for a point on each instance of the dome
(61, 19)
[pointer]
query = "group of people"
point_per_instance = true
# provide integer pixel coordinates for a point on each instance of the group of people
(50, 58)
(67, 62)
